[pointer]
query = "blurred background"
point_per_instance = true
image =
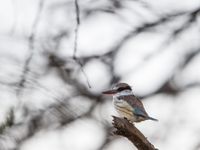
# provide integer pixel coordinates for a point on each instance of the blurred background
(56, 56)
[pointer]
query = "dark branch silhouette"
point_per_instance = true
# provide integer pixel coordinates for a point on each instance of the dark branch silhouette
(128, 130)
(76, 39)
(31, 42)
(77, 27)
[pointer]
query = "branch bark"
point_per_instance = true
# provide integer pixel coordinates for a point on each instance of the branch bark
(128, 130)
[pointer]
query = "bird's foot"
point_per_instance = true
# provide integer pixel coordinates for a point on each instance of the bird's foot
(128, 120)
(125, 118)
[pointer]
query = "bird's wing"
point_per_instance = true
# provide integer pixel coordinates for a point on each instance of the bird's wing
(137, 105)
(132, 100)
(138, 108)
(140, 112)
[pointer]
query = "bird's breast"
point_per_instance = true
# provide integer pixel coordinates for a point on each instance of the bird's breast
(121, 103)
(123, 108)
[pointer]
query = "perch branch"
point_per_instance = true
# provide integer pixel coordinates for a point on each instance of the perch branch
(128, 130)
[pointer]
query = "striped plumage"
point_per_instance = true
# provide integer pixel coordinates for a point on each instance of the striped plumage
(128, 105)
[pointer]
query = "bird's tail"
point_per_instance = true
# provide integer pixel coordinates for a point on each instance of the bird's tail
(150, 118)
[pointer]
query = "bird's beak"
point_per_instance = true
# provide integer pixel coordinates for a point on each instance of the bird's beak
(109, 92)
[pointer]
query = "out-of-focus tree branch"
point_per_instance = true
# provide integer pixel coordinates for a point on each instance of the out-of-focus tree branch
(8, 122)
(31, 43)
(77, 12)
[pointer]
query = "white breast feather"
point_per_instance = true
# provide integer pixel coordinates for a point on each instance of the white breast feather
(123, 108)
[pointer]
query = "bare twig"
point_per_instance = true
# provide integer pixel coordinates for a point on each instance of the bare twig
(31, 41)
(77, 10)
(77, 27)
(128, 130)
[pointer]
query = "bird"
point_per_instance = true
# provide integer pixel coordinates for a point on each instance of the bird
(127, 104)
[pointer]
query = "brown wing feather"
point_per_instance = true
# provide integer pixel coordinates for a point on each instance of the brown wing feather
(134, 102)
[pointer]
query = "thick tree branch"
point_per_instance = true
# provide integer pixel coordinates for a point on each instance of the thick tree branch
(128, 130)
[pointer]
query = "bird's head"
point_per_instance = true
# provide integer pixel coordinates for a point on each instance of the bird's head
(119, 89)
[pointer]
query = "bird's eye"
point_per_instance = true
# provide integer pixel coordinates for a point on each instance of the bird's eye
(123, 88)
(128, 88)
(120, 89)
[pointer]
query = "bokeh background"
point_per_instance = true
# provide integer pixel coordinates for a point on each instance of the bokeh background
(56, 56)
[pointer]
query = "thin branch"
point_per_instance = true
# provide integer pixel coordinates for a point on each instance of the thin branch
(77, 10)
(77, 27)
(31, 41)
(128, 130)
